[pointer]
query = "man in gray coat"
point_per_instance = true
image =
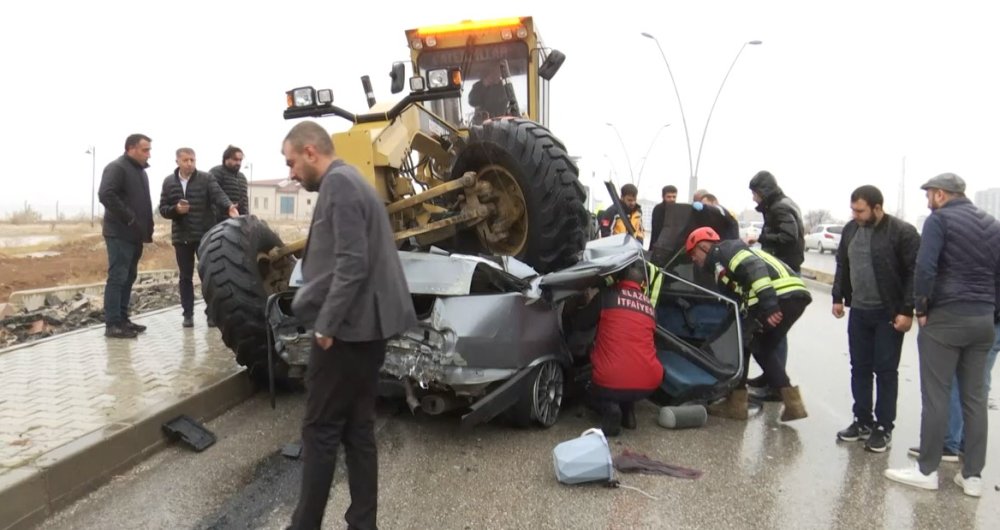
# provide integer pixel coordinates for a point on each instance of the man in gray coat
(355, 296)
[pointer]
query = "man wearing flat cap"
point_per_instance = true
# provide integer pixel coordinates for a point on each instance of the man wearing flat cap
(956, 299)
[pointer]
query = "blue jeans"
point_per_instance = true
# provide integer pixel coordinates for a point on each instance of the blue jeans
(875, 350)
(953, 440)
(123, 267)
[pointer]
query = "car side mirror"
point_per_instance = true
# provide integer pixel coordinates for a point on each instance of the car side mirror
(398, 76)
(551, 65)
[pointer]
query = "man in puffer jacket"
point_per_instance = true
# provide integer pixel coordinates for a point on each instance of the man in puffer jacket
(232, 181)
(783, 235)
(188, 199)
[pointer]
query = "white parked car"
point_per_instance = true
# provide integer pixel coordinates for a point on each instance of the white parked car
(824, 237)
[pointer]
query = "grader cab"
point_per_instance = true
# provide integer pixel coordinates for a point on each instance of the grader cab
(464, 161)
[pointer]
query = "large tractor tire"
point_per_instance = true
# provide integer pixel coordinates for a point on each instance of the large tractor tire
(232, 275)
(530, 173)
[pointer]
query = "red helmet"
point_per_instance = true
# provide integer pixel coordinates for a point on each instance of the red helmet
(705, 233)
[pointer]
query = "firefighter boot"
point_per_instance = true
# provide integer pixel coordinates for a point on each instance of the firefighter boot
(733, 407)
(794, 408)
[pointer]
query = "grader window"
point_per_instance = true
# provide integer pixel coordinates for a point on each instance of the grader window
(484, 95)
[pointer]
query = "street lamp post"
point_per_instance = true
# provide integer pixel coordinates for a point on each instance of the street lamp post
(646, 156)
(704, 131)
(250, 168)
(627, 160)
(92, 151)
(687, 137)
(693, 183)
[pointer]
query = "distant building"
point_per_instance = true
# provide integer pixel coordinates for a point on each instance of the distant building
(989, 201)
(281, 199)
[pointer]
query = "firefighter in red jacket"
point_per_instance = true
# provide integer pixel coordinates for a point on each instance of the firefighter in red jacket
(625, 367)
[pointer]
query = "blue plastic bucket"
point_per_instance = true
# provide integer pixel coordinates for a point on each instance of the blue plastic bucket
(584, 459)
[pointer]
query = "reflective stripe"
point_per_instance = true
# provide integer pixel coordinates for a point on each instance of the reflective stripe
(738, 258)
(762, 283)
(654, 281)
(786, 281)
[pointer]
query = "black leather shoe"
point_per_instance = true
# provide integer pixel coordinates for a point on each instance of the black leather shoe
(757, 382)
(120, 331)
(210, 322)
(138, 328)
(188, 322)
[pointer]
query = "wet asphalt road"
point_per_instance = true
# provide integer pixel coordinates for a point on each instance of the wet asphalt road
(825, 262)
(760, 473)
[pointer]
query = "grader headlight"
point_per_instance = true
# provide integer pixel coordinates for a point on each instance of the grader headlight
(301, 97)
(443, 79)
(437, 79)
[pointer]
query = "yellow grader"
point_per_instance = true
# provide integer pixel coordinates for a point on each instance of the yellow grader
(464, 162)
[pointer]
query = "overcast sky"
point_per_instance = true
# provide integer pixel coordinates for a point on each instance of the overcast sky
(835, 97)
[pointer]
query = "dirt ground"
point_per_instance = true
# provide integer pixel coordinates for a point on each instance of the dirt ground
(82, 260)
(81, 257)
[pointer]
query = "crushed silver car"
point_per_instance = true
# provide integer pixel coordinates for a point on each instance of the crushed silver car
(496, 338)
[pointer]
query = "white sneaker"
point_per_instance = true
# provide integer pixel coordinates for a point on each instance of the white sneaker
(972, 486)
(911, 476)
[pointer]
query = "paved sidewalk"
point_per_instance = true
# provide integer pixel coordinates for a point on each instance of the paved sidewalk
(66, 397)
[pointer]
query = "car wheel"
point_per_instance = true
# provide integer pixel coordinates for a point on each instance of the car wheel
(541, 397)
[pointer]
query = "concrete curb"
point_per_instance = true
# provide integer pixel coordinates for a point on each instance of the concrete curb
(819, 276)
(32, 299)
(59, 477)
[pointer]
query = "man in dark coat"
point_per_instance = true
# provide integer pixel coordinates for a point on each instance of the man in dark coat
(875, 263)
(783, 237)
(232, 181)
(354, 297)
(189, 198)
(128, 223)
(669, 194)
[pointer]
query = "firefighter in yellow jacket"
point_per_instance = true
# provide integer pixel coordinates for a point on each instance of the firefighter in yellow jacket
(773, 297)
(613, 221)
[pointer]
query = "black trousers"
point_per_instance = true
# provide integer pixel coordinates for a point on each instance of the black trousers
(123, 268)
(185, 253)
(765, 345)
(341, 386)
(602, 399)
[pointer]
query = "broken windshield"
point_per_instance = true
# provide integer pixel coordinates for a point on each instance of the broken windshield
(484, 95)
